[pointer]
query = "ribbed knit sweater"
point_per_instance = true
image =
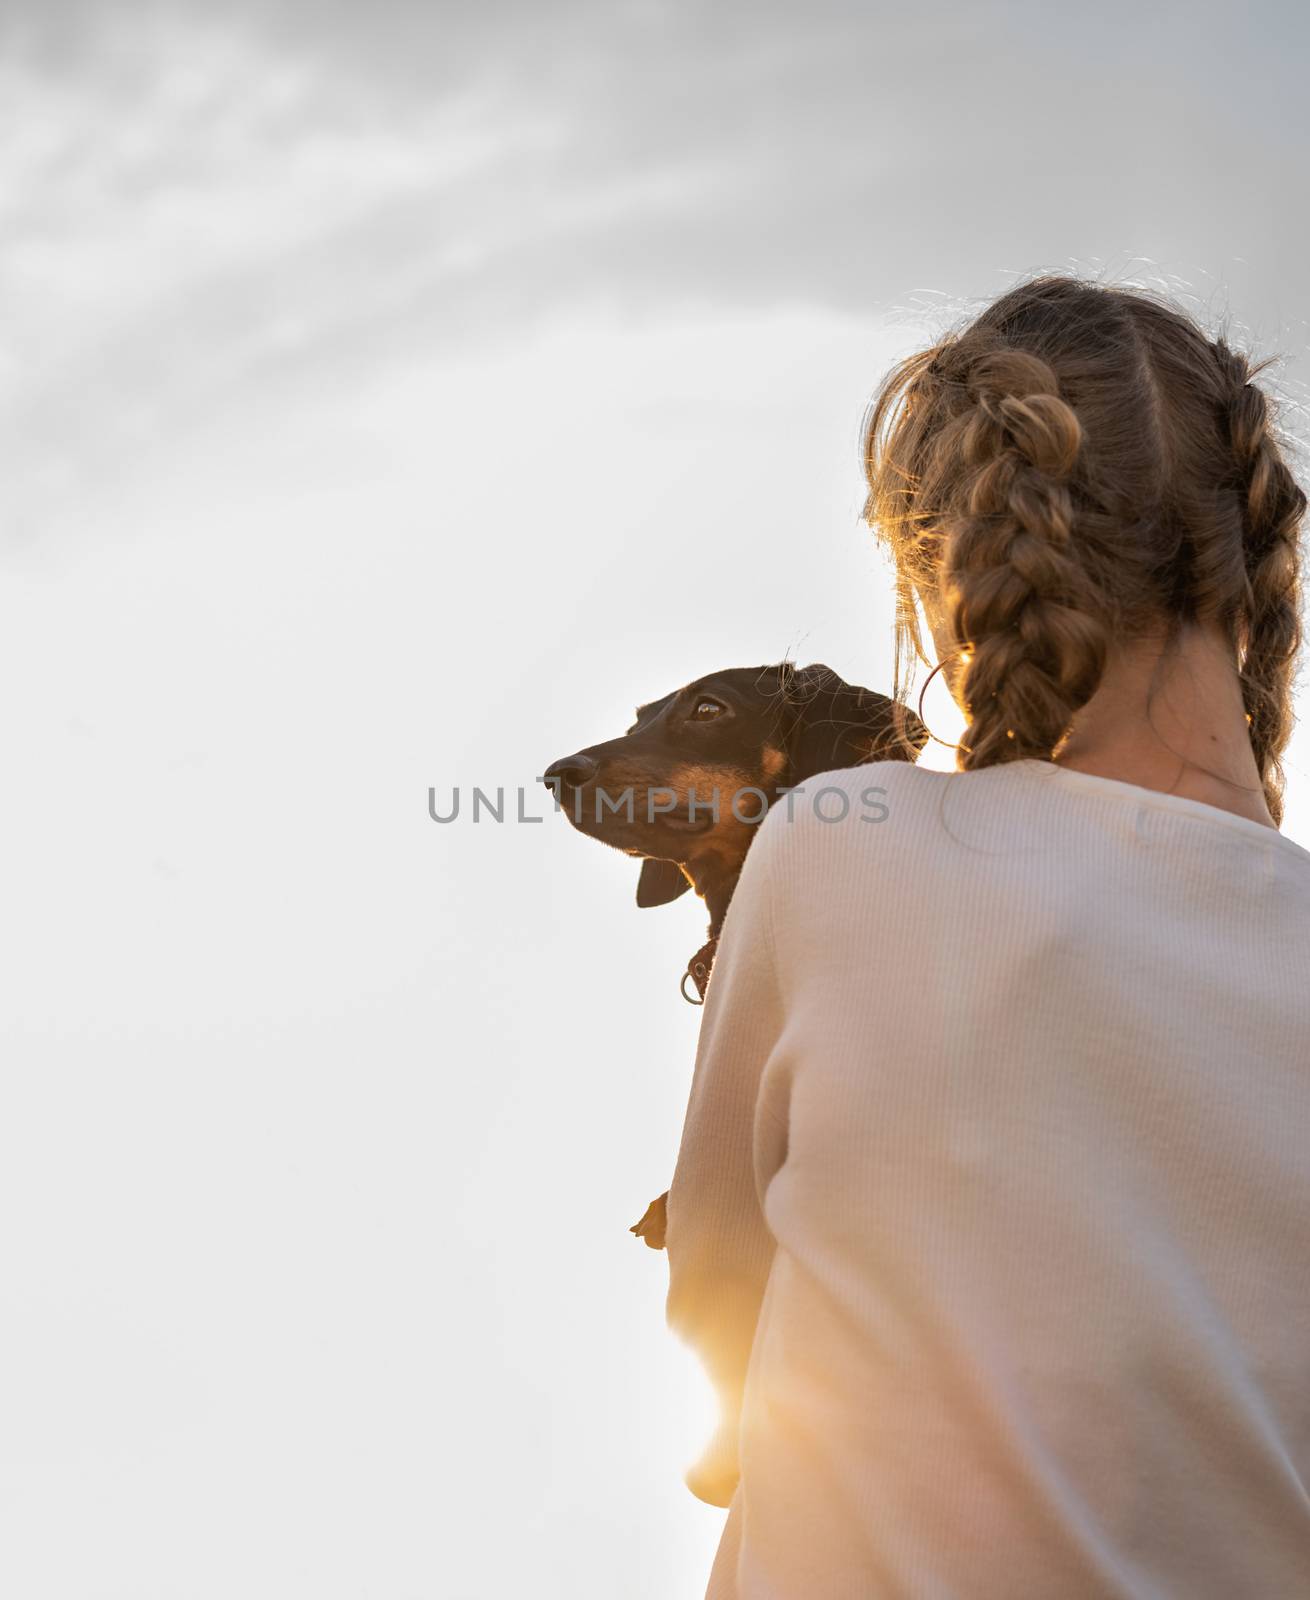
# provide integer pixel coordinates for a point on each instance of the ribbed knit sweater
(991, 1219)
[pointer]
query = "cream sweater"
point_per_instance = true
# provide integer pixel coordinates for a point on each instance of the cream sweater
(994, 1193)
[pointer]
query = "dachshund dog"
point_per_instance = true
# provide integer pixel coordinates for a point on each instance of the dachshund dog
(686, 785)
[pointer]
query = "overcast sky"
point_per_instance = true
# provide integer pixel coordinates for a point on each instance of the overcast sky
(394, 396)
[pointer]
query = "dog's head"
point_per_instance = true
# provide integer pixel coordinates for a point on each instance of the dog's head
(688, 782)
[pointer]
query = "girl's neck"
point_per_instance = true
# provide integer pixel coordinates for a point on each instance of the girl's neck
(1171, 720)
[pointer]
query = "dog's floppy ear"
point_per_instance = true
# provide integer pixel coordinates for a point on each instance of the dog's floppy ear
(834, 724)
(660, 882)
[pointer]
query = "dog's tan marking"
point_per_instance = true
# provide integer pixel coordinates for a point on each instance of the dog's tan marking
(710, 787)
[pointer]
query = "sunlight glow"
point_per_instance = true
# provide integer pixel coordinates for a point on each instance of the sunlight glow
(697, 1405)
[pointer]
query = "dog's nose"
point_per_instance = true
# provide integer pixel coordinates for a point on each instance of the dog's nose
(571, 770)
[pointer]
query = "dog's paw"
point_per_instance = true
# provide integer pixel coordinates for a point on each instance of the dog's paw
(654, 1221)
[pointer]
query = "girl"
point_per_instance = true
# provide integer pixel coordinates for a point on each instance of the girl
(991, 1219)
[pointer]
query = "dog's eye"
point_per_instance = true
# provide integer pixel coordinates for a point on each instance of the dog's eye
(705, 710)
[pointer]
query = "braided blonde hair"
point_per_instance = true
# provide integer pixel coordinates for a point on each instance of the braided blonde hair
(1081, 465)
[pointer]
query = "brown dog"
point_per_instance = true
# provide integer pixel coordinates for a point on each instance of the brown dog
(685, 787)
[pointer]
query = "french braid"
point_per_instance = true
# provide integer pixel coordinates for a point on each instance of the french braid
(1019, 597)
(1271, 635)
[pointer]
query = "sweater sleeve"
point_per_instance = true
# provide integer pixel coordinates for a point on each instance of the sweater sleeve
(734, 1138)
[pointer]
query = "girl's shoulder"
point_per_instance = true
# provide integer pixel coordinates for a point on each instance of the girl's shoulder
(1025, 809)
(877, 808)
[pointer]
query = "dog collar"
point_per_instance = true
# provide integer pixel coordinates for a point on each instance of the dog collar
(698, 970)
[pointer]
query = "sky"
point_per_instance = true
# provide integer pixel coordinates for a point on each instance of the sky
(392, 398)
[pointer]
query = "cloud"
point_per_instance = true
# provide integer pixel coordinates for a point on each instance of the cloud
(189, 208)
(199, 207)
